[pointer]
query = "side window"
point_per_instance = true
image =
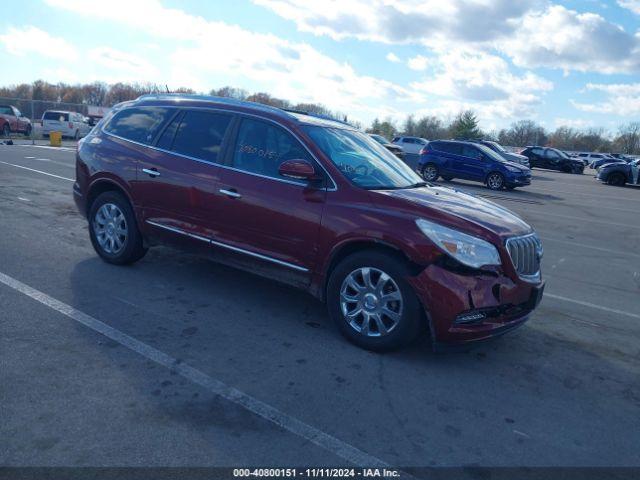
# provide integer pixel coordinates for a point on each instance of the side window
(407, 140)
(200, 134)
(166, 139)
(139, 124)
(536, 151)
(472, 152)
(552, 155)
(261, 147)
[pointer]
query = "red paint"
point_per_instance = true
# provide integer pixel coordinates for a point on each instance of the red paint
(307, 226)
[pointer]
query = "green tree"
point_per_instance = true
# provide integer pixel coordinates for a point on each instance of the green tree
(465, 125)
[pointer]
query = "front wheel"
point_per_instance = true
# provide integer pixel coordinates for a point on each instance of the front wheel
(616, 179)
(495, 181)
(430, 172)
(6, 130)
(372, 303)
(113, 229)
(27, 131)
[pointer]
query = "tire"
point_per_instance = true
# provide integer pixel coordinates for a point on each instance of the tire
(509, 188)
(578, 170)
(106, 215)
(495, 181)
(447, 178)
(27, 132)
(6, 130)
(430, 172)
(402, 327)
(616, 179)
(565, 169)
(76, 135)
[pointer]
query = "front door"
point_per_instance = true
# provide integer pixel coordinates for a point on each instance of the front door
(270, 218)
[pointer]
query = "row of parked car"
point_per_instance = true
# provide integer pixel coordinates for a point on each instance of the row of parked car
(70, 124)
(489, 162)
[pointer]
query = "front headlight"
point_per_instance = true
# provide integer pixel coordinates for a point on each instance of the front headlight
(467, 249)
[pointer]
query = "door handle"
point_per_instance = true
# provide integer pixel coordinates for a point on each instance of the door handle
(230, 193)
(152, 172)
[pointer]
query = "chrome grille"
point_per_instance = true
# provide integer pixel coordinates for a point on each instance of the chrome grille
(526, 253)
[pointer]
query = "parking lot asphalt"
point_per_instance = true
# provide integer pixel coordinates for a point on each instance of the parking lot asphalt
(563, 390)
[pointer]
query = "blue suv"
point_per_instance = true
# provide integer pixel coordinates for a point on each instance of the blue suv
(470, 161)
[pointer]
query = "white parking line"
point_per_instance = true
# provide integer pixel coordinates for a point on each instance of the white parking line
(253, 405)
(64, 149)
(592, 305)
(38, 171)
(583, 219)
(592, 247)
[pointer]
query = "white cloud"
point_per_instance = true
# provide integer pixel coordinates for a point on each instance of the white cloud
(419, 63)
(30, 39)
(633, 5)
(203, 49)
(621, 99)
(565, 39)
(483, 82)
(578, 123)
(392, 57)
(533, 33)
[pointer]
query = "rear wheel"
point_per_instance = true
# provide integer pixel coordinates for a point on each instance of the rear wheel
(113, 229)
(6, 130)
(27, 131)
(616, 179)
(495, 181)
(430, 172)
(76, 135)
(372, 303)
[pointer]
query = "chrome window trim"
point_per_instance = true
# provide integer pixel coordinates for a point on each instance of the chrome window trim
(228, 247)
(536, 277)
(230, 112)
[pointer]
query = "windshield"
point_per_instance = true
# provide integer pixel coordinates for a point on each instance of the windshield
(362, 160)
(497, 146)
(380, 139)
(560, 152)
(490, 153)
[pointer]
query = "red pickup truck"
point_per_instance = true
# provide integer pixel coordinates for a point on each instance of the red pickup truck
(12, 121)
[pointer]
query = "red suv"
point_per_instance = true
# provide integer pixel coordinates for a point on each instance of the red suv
(311, 202)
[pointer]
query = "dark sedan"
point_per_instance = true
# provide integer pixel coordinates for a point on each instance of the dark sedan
(552, 158)
(620, 173)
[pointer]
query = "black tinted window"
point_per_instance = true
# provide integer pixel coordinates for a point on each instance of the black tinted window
(139, 124)
(261, 147)
(454, 148)
(469, 151)
(60, 116)
(200, 134)
(166, 139)
(6, 110)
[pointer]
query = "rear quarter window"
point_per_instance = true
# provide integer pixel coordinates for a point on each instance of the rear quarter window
(139, 124)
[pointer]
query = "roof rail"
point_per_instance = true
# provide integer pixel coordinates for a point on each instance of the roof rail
(212, 98)
(316, 115)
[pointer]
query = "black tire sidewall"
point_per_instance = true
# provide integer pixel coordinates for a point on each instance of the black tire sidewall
(133, 249)
(616, 179)
(397, 268)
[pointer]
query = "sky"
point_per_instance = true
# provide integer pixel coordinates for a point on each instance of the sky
(573, 63)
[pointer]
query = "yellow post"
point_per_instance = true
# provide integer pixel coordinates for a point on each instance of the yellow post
(55, 138)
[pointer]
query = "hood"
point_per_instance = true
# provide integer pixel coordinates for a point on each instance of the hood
(515, 156)
(457, 210)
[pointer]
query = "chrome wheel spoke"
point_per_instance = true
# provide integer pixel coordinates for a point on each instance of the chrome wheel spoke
(371, 301)
(110, 228)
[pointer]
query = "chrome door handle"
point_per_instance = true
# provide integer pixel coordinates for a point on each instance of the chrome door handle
(230, 193)
(151, 173)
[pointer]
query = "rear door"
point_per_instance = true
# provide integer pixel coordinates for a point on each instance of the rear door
(55, 121)
(472, 163)
(177, 181)
(266, 216)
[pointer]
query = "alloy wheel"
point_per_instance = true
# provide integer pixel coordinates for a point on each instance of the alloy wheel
(495, 181)
(430, 173)
(110, 228)
(371, 302)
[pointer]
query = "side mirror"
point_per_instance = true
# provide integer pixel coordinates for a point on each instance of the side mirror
(298, 170)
